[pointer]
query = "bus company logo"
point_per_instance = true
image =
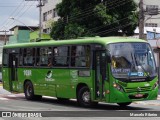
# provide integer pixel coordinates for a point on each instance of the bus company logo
(74, 74)
(49, 76)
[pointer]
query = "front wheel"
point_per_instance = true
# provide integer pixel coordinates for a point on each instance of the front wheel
(124, 104)
(84, 97)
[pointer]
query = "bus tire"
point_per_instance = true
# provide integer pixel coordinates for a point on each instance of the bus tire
(124, 104)
(29, 91)
(84, 97)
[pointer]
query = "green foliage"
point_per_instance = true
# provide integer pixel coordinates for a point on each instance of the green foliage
(80, 18)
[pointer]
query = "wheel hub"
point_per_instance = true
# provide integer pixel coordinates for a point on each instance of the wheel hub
(86, 96)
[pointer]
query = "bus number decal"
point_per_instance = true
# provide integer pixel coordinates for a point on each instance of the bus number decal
(27, 73)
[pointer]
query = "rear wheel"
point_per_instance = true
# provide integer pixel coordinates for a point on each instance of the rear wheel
(124, 104)
(29, 92)
(84, 97)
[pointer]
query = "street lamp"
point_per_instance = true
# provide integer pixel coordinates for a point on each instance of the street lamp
(12, 18)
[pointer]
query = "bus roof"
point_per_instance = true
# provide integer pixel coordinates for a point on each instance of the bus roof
(87, 40)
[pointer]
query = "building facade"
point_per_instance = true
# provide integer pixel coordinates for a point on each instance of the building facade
(21, 34)
(151, 7)
(152, 17)
(49, 14)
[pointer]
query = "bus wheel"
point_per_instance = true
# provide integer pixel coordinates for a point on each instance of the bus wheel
(124, 104)
(84, 97)
(29, 91)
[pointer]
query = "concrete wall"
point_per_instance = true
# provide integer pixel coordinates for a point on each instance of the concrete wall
(48, 8)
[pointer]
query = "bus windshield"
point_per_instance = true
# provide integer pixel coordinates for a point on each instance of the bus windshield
(130, 60)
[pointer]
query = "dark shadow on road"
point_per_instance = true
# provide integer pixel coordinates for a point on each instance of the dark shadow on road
(100, 106)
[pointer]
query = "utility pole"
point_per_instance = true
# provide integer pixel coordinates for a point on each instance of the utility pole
(5, 37)
(40, 16)
(141, 20)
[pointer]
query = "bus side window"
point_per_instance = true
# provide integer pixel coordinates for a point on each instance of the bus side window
(5, 57)
(37, 56)
(21, 57)
(45, 58)
(61, 56)
(80, 56)
(29, 56)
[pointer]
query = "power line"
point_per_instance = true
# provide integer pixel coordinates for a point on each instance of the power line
(113, 29)
(14, 5)
(87, 14)
(11, 14)
(17, 16)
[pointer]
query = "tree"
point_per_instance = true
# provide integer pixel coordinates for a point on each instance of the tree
(79, 18)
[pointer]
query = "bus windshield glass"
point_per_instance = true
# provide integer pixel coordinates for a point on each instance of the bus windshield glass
(130, 60)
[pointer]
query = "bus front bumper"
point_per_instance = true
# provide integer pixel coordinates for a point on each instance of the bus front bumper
(121, 97)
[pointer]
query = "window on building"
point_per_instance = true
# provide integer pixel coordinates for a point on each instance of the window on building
(54, 13)
(152, 9)
(61, 56)
(45, 1)
(151, 24)
(80, 56)
(45, 16)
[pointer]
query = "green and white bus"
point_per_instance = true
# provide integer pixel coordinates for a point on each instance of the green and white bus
(99, 69)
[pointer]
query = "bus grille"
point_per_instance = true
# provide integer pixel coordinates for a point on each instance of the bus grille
(138, 89)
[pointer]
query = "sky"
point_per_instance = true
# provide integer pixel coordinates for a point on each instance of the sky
(24, 12)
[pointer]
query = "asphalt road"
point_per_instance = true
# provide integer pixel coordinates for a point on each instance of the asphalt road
(64, 110)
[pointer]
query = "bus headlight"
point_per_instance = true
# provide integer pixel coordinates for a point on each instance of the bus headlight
(118, 87)
(155, 85)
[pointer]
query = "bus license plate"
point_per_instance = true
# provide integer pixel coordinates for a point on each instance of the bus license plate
(139, 95)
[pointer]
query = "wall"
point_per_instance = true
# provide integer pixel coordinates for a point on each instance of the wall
(23, 36)
(49, 6)
(35, 35)
(151, 2)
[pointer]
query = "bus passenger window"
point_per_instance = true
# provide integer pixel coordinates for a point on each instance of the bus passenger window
(29, 56)
(45, 57)
(5, 57)
(61, 56)
(80, 56)
(21, 57)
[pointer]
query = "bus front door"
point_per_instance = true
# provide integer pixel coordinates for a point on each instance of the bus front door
(13, 63)
(101, 82)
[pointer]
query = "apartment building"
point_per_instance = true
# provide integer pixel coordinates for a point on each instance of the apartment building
(151, 7)
(49, 14)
